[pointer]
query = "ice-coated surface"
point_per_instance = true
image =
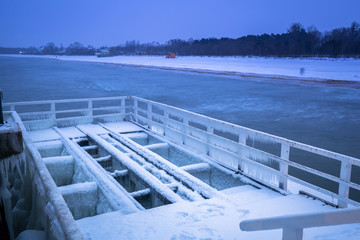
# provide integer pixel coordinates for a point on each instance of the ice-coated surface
(196, 167)
(93, 128)
(239, 189)
(177, 157)
(61, 169)
(115, 197)
(159, 148)
(184, 158)
(6, 166)
(142, 138)
(32, 235)
(82, 199)
(123, 127)
(210, 219)
(217, 218)
(51, 148)
(132, 165)
(169, 167)
(43, 135)
(72, 132)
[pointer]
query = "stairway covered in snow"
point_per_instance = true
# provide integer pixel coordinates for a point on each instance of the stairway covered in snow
(125, 167)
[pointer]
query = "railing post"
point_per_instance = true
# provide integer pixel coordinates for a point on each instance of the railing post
(242, 138)
(166, 115)
(345, 174)
(284, 168)
(53, 113)
(184, 127)
(209, 129)
(149, 113)
(136, 110)
(90, 110)
(123, 107)
(242, 141)
(290, 233)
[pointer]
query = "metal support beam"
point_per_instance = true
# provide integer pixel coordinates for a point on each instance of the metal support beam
(141, 193)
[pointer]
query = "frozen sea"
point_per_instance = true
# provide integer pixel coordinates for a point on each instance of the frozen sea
(323, 115)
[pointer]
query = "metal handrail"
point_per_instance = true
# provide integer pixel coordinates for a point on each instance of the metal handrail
(61, 214)
(238, 128)
(51, 113)
(163, 120)
(146, 116)
(293, 225)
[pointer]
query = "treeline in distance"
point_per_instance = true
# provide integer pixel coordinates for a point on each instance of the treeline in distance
(296, 42)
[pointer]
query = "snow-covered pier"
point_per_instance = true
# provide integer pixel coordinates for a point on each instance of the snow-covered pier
(130, 168)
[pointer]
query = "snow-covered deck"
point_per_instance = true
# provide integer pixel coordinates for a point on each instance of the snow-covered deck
(213, 219)
(217, 217)
(143, 170)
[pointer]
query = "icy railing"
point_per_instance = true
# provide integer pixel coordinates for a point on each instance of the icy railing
(44, 114)
(47, 202)
(266, 158)
(234, 147)
(293, 225)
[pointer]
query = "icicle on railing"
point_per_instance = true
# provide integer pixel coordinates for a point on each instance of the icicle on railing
(8, 165)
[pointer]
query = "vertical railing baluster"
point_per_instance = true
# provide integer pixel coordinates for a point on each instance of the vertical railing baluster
(136, 110)
(209, 129)
(166, 115)
(53, 113)
(90, 110)
(149, 114)
(184, 127)
(242, 141)
(345, 174)
(123, 108)
(242, 138)
(284, 167)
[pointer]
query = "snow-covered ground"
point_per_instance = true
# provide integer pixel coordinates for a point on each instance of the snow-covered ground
(293, 68)
(212, 219)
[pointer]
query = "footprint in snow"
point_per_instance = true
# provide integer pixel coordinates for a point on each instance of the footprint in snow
(183, 235)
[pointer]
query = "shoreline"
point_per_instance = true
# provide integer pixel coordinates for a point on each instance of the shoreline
(242, 75)
(214, 67)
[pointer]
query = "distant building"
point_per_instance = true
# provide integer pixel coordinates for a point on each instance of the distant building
(104, 53)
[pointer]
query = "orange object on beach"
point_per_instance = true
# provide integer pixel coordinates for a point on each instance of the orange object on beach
(171, 55)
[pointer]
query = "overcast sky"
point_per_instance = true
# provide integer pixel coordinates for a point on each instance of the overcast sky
(26, 23)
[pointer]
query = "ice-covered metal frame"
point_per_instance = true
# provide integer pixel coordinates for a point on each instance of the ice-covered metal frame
(293, 225)
(228, 144)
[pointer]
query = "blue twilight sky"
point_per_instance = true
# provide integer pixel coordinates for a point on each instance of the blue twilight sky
(26, 23)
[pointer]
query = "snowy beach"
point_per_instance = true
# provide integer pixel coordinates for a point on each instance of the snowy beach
(304, 69)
